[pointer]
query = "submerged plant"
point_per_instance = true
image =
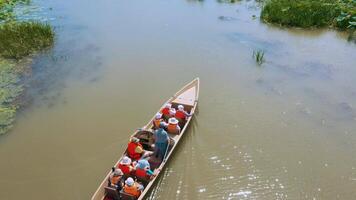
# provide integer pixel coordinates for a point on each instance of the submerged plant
(258, 56)
(10, 89)
(24, 38)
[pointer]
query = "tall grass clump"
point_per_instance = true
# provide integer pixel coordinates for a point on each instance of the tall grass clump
(301, 13)
(311, 13)
(24, 38)
(259, 56)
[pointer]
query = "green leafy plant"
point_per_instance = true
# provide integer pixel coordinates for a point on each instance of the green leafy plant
(258, 56)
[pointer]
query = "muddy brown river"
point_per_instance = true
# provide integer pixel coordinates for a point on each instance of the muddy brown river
(283, 130)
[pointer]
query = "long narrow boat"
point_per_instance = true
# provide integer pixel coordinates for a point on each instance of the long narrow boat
(188, 97)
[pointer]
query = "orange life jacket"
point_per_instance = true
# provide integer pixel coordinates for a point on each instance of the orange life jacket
(173, 128)
(165, 111)
(131, 147)
(133, 190)
(141, 173)
(126, 169)
(157, 122)
(180, 115)
(115, 179)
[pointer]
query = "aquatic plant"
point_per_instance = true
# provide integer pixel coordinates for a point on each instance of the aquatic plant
(311, 13)
(10, 89)
(24, 38)
(7, 8)
(258, 56)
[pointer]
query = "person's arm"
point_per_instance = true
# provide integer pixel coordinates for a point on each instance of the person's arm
(149, 172)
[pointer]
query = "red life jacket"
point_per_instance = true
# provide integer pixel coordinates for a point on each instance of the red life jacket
(131, 150)
(180, 115)
(125, 168)
(141, 173)
(165, 111)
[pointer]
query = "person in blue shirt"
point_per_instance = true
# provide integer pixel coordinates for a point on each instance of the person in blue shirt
(161, 143)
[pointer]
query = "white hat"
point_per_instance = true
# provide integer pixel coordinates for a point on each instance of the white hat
(129, 181)
(125, 161)
(134, 139)
(173, 121)
(158, 116)
(172, 111)
(118, 172)
(168, 105)
(181, 107)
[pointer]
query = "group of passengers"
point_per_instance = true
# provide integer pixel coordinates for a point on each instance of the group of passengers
(175, 118)
(136, 162)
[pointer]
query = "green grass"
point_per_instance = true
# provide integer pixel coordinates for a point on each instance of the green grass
(21, 39)
(311, 13)
(259, 56)
(10, 90)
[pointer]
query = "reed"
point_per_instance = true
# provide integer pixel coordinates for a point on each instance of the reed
(20, 39)
(259, 56)
(311, 13)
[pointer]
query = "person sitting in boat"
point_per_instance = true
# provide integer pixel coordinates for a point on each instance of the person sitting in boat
(143, 169)
(126, 165)
(161, 143)
(133, 188)
(172, 112)
(181, 114)
(165, 110)
(115, 179)
(173, 126)
(158, 121)
(135, 149)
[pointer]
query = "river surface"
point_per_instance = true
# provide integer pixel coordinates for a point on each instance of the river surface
(283, 130)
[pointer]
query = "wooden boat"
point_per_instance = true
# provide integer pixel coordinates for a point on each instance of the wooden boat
(187, 96)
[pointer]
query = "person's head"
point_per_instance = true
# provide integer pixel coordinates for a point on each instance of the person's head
(158, 116)
(125, 161)
(129, 181)
(181, 107)
(143, 164)
(134, 139)
(168, 105)
(118, 172)
(173, 121)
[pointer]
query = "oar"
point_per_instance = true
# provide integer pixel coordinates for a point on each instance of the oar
(165, 154)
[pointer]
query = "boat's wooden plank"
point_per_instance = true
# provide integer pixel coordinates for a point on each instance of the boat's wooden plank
(187, 97)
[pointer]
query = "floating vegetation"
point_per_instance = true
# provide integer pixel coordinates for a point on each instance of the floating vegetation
(18, 38)
(24, 38)
(10, 89)
(311, 13)
(258, 56)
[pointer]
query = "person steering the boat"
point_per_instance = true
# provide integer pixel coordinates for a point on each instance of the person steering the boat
(161, 143)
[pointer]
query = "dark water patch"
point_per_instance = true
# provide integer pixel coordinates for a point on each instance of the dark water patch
(52, 71)
(309, 69)
(273, 47)
(227, 18)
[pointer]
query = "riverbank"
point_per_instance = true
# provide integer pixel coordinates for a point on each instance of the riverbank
(18, 40)
(340, 14)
